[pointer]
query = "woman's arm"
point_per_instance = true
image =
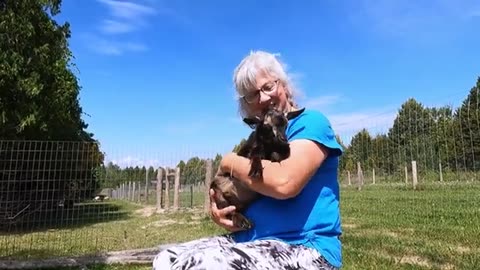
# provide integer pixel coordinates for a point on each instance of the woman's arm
(280, 180)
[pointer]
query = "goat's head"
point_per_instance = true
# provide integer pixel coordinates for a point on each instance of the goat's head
(272, 122)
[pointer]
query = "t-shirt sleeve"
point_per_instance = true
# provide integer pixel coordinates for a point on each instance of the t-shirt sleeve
(313, 125)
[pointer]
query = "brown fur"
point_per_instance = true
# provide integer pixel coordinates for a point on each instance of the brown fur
(267, 141)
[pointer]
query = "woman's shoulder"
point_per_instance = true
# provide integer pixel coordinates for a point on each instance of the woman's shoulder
(310, 117)
(314, 125)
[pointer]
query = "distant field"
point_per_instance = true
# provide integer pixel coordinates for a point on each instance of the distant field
(385, 227)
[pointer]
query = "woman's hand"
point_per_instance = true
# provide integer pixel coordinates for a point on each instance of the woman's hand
(219, 216)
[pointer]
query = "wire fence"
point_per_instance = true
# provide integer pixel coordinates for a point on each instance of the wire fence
(61, 198)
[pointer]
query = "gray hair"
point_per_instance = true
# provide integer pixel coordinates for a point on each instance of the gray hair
(244, 77)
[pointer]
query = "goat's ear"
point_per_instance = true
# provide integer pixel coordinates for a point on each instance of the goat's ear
(252, 122)
(294, 114)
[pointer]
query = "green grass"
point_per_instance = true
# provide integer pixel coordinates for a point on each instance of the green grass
(141, 227)
(436, 226)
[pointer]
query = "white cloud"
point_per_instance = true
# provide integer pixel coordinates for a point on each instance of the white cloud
(116, 27)
(348, 124)
(131, 161)
(322, 102)
(127, 16)
(112, 47)
(123, 17)
(128, 10)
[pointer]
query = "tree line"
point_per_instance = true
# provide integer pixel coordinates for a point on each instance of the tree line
(435, 137)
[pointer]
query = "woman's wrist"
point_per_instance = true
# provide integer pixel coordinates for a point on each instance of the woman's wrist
(237, 166)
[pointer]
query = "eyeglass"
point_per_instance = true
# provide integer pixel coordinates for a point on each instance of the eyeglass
(267, 88)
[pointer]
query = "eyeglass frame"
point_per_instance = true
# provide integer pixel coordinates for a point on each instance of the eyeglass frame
(256, 93)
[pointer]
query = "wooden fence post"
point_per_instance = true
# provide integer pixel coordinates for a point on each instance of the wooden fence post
(208, 179)
(146, 186)
(132, 196)
(406, 175)
(440, 169)
(159, 189)
(414, 174)
(359, 176)
(176, 188)
(373, 175)
(129, 190)
(167, 188)
(349, 179)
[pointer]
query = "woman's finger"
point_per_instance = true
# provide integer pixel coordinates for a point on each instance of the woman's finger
(219, 216)
(227, 210)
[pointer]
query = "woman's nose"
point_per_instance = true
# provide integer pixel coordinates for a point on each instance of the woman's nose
(264, 98)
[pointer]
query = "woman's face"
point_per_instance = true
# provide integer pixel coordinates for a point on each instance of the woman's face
(269, 90)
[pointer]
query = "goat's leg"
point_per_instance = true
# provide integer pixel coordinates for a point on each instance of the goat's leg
(256, 168)
(275, 157)
(256, 155)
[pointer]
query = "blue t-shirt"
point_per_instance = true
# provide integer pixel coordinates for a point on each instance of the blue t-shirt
(312, 218)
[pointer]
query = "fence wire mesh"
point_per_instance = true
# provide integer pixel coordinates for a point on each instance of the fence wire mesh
(65, 198)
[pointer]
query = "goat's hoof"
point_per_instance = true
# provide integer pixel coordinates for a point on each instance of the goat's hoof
(241, 221)
(255, 174)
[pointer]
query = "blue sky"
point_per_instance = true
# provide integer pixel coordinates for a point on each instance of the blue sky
(156, 75)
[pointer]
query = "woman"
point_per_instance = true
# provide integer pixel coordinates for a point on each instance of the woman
(297, 220)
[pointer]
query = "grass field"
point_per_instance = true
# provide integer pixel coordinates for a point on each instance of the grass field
(385, 227)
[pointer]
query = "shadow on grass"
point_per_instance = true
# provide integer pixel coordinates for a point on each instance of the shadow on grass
(128, 259)
(103, 267)
(78, 215)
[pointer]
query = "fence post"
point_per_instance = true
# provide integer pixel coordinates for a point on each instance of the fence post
(414, 174)
(129, 190)
(167, 188)
(146, 186)
(159, 189)
(176, 188)
(132, 196)
(139, 193)
(440, 169)
(406, 175)
(373, 175)
(208, 179)
(349, 179)
(191, 196)
(359, 176)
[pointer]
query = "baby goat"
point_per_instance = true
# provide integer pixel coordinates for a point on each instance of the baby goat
(267, 141)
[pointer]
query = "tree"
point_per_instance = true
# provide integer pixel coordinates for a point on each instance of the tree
(38, 90)
(467, 120)
(216, 163)
(442, 140)
(345, 162)
(410, 134)
(237, 146)
(39, 101)
(380, 154)
(360, 149)
(194, 171)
